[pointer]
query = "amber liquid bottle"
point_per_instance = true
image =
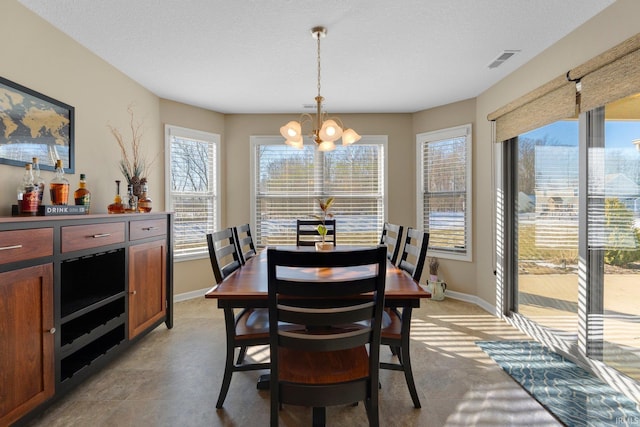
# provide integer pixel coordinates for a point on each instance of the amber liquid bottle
(82, 196)
(37, 179)
(28, 193)
(59, 187)
(116, 207)
(144, 203)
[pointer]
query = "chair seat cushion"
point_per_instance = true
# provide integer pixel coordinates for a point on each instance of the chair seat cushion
(391, 324)
(252, 323)
(323, 367)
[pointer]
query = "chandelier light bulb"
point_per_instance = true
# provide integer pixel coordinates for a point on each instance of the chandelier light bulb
(295, 144)
(291, 130)
(350, 136)
(326, 146)
(330, 131)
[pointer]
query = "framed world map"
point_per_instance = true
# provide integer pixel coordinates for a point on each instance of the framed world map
(34, 125)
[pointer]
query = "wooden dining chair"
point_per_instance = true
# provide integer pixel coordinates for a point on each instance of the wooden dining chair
(244, 240)
(249, 327)
(397, 323)
(319, 353)
(392, 239)
(307, 234)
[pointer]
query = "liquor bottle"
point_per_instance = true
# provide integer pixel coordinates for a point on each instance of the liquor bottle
(144, 203)
(82, 196)
(132, 200)
(59, 187)
(116, 207)
(28, 193)
(37, 179)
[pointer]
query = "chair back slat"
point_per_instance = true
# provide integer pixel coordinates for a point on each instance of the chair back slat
(414, 253)
(392, 238)
(307, 233)
(244, 240)
(223, 253)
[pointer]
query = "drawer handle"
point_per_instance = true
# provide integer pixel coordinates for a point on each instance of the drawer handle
(52, 331)
(97, 236)
(6, 248)
(149, 228)
(132, 292)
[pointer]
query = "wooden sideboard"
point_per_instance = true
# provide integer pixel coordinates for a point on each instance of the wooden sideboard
(75, 291)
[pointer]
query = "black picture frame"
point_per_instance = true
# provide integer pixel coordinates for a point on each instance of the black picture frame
(35, 125)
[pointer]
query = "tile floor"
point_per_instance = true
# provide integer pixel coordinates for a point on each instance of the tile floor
(172, 378)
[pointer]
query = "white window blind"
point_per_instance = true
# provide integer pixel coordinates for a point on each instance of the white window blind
(444, 190)
(192, 188)
(288, 182)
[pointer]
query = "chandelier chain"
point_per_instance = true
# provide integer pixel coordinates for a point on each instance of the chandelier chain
(318, 64)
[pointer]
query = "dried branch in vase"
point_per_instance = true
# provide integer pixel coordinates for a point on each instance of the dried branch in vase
(133, 163)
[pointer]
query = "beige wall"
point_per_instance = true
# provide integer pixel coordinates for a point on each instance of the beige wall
(38, 56)
(49, 62)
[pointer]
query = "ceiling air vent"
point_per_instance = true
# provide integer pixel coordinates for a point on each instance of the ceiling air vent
(506, 54)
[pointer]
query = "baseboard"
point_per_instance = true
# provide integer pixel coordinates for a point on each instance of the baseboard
(190, 295)
(473, 300)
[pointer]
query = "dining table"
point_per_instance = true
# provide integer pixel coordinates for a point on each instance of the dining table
(247, 287)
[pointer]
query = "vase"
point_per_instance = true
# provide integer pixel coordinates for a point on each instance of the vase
(136, 184)
(324, 246)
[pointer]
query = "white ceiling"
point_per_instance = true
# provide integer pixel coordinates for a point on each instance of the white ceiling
(257, 56)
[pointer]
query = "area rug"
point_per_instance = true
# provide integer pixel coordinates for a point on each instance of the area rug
(569, 392)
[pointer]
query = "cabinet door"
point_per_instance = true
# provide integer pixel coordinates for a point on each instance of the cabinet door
(27, 371)
(147, 285)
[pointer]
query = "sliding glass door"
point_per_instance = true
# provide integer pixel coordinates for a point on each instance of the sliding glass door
(614, 235)
(575, 203)
(547, 226)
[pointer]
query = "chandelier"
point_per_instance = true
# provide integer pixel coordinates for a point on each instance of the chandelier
(325, 130)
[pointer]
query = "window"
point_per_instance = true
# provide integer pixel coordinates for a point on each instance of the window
(287, 182)
(444, 190)
(192, 188)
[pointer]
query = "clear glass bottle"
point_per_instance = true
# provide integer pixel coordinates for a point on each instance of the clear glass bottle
(82, 196)
(28, 193)
(37, 179)
(59, 187)
(144, 203)
(116, 207)
(132, 200)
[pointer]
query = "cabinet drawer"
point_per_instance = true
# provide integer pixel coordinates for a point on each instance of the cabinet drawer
(147, 228)
(78, 237)
(20, 245)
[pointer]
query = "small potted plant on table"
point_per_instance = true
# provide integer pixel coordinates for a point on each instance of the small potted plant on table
(324, 205)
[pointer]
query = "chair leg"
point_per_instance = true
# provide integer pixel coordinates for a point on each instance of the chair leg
(371, 405)
(405, 358)
(228, 365)
(226, 381)
(394, 350)
(408, 374)
(226, 378)
(319, 417)
(241, 355)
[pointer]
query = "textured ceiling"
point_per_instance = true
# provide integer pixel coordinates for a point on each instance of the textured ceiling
(257, 56)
